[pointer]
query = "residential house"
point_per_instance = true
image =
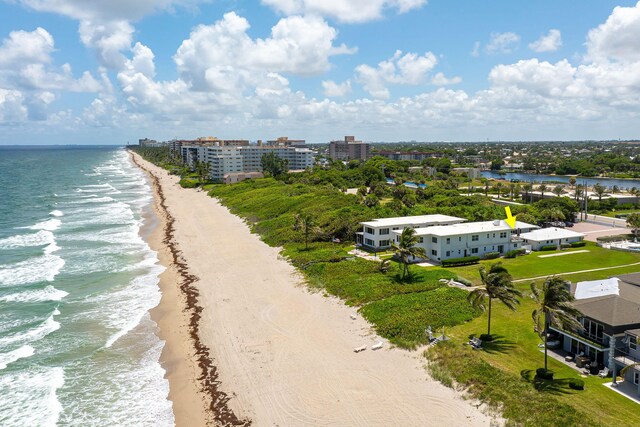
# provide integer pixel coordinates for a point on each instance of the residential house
(550, 236)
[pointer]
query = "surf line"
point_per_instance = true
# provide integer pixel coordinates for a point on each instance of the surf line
(222, 414)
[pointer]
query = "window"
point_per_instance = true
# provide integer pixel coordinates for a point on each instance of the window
(474, 250)
(434, 252)
(448, 240)
(384, 231)
(384, 243)
(460, 239)
(503, 235)
(420, 239)
(474, 238)
(448, 253)
(636, 377)
(434, 240)
(593, 330)
(370, 230)
(488, 235)
(633, 342)
(369, 242)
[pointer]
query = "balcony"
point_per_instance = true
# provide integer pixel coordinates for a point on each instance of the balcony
(625, 358)
(586, 340)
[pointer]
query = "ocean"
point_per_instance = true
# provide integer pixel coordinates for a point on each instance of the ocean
(77, 344)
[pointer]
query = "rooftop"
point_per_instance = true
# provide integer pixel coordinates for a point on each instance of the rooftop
(471, 227)
(550, 234)
(412, 220)
(614, 309)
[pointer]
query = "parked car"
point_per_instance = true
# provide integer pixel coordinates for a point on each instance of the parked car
(568, 224)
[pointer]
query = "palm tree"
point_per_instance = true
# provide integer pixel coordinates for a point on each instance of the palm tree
(203, 169)
(635, 192)
(558, 190)
(572, 181)
(527, 188)
(496, 284)
(512, 189)
(554, 308)
(600, 191)
(615, 189)
(304, 223)
(542, 188)
(487, 185)
(406, 248)
(499, 187)
(578, 192)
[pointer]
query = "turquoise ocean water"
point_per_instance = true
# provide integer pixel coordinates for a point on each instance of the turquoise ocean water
(77, 345)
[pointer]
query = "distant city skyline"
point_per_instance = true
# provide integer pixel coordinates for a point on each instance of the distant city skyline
(383, 70)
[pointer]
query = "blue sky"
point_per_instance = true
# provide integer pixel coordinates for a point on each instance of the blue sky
(384, 70)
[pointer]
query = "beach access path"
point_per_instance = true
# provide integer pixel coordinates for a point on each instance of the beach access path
(285, 355)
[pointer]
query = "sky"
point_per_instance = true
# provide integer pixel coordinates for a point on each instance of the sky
(114, 71)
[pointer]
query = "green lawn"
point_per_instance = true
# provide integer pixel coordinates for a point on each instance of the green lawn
(532, 265)
(515, 351)
(613, 214)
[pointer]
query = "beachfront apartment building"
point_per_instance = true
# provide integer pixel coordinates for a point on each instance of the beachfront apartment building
(349, 149)
(469, 239)
(225, 160)
(377, 234)
(610, 334)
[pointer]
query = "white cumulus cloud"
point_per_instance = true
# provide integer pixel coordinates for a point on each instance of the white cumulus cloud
(351, 11)
(618, 38)
(336, 90)
(502, 43)
(407, 69)
(547, 43)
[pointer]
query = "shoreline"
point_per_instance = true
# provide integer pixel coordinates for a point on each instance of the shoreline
(284, 354)
(193, 384)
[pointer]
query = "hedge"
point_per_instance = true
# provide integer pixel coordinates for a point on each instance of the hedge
(491, 255)
(456, 262)
(549, 248)
(188, 183)
(565, 245)
(544, 374)
(578, 244)
(514, 253)
(576, 384)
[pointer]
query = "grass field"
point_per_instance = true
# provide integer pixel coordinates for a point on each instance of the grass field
(515, 352)
(531, 265)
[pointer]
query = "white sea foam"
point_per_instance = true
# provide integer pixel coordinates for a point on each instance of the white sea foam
(50, 225)
(31, 335)
(12, 356)
(41, 238)
(29, 397)
(49, 293)
(37, 269)
(56, 213)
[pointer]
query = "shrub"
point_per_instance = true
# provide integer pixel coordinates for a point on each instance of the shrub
(576, 384)
(565, 245)
(491, 255)
(514, 253)
(544, 374)
(455, 262)
(549, 248)
(464, 281)
(188, 183)
(578, 244)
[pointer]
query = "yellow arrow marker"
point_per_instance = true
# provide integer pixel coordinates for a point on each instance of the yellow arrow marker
(511, 220)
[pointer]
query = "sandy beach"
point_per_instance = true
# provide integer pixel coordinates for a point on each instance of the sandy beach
(276, 354)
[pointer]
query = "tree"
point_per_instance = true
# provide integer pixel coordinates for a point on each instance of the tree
(572, 181)
(552, 214)
(371, 201)
(496, 284)
(599, 190)
(553, 308)
(542, 188)
(406, 248)
(304, 224)
(615, 189)
(512, 189)
(203, 169)
(499, 185)
(527, 189)
(558, 190)
(487, 186)
(633, 221)
(273, 165)
(635, 192)
(579, 192)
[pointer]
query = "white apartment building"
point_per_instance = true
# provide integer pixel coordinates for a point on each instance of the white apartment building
(377, 234)
(225, 160)
(550, 236)
(469, 239)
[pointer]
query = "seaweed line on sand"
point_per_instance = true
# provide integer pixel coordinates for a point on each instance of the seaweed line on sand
(222, 414)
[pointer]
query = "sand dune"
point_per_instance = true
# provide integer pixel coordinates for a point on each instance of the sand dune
(285, 355)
